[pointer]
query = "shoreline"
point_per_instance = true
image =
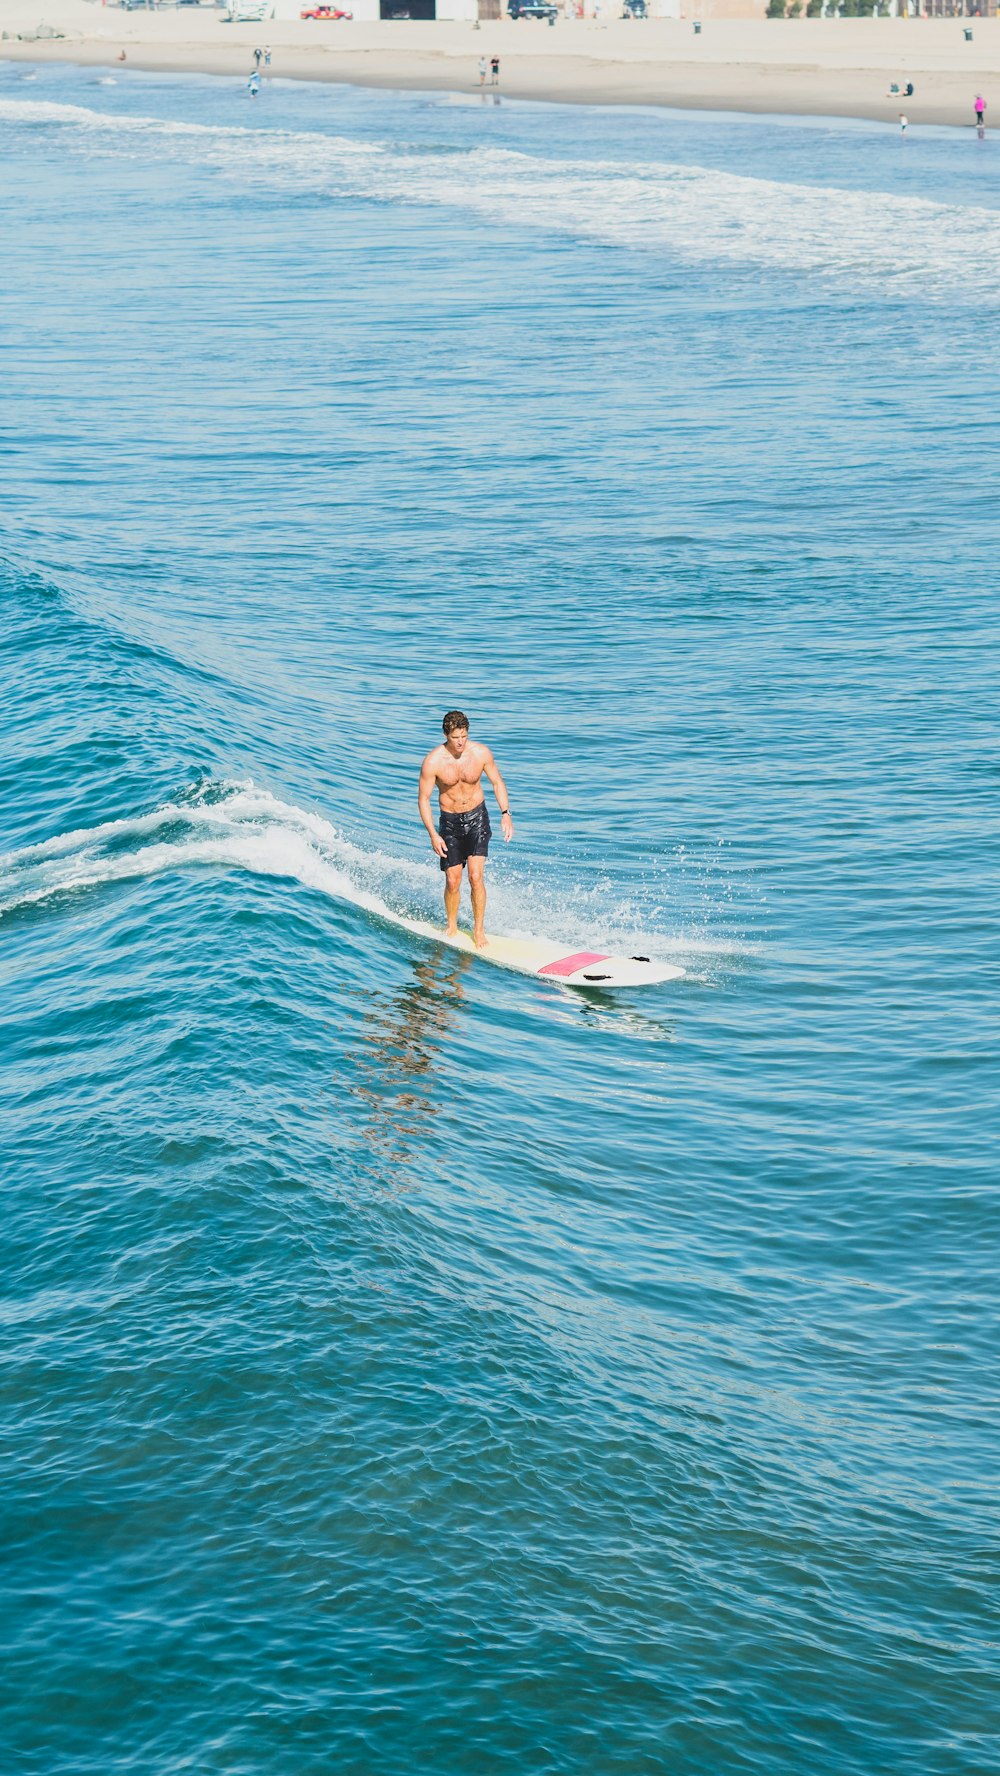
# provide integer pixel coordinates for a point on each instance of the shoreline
(821, 68)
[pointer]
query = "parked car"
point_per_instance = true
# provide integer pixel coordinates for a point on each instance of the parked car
(532, 9)
(325, 12)
(633, 9)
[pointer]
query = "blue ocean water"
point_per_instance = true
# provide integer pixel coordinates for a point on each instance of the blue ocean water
(407, 1365)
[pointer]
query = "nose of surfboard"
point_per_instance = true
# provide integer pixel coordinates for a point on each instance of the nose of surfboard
(587, 968)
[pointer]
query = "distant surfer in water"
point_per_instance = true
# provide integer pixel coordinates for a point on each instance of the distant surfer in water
(462, 837)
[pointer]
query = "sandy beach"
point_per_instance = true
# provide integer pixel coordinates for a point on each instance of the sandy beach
(836, 67)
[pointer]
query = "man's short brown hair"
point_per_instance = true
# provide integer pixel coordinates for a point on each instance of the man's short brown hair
(454, 719)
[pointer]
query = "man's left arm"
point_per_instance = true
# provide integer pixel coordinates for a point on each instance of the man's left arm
(500, 791)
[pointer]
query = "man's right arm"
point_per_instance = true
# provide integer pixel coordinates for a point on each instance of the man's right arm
(427, 781)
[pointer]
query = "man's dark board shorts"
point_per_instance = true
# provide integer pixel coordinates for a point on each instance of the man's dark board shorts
(466, 835)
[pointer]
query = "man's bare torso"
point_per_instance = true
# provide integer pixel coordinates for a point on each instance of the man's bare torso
(458, 779)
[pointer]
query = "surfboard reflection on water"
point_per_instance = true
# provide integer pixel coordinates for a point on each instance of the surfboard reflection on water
(402, 1038)
(604, 1011)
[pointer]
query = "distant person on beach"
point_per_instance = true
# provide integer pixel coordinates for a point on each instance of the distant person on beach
(256, 58)
(494, 70)
(121, 55)
(980, 104)
(267, 58)
(482, 70)
(903, 122)
(253, 85)
(461, 839)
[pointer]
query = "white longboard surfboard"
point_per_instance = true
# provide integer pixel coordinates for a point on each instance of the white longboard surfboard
(555, 961)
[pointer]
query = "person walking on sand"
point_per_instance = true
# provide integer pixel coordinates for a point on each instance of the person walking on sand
(482, 70)
(256, 59)
(980, 105)
(494, 70)
(462, 837)
(267, 56)
(903, 123)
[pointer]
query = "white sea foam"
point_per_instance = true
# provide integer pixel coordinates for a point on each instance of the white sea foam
(241, 826)
(693, 214)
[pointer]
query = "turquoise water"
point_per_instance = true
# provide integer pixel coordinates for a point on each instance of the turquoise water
(409, 1366)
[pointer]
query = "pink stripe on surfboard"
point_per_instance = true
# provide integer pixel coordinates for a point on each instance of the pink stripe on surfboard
(570, 964)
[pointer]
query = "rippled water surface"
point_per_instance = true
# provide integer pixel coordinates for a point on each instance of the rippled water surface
(410, 1366)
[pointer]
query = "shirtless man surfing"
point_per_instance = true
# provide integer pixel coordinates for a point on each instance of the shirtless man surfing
(462, 837)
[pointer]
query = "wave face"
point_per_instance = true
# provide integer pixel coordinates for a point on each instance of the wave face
(409, 1365)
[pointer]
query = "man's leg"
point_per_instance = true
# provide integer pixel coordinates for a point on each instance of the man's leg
(452, 896)
(476, 867)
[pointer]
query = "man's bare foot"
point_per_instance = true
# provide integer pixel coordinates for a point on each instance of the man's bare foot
(451, 931)
(480, 940)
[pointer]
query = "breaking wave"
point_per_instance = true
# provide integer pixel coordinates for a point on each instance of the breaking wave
(694, 214)
(242, 826)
